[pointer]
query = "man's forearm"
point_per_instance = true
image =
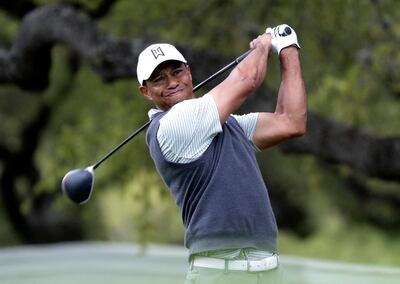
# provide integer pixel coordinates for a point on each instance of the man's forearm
(244, 79)
(292, 99)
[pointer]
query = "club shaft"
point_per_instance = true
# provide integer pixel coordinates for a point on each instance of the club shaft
(144, 126)
(198, 86)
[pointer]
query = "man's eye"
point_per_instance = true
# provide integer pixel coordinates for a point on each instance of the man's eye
(158, 79)
(178, 71)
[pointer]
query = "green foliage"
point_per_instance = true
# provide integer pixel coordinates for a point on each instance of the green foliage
(8, 29)
(345, 242)
(139, 211)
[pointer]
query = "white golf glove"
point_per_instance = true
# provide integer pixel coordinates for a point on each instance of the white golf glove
(282, 36)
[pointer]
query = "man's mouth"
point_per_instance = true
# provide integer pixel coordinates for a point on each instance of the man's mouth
(173, 93)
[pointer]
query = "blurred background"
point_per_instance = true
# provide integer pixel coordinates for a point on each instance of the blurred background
(335, 192)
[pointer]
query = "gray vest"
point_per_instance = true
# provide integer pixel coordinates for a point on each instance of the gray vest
(222, 196)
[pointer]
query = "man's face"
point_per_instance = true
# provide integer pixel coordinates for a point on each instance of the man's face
(169, 84)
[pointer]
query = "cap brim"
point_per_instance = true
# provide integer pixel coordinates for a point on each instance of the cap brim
(147, 72)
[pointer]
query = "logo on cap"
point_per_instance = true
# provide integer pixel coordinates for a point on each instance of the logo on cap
(157, 52)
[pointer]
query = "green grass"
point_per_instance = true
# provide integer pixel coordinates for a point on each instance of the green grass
(127, 263)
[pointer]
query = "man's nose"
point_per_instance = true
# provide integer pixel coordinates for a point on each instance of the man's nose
(172, 82)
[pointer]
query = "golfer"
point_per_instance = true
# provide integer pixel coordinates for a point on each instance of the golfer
(206, 155)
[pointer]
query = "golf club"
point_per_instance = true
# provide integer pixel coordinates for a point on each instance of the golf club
(78, 184)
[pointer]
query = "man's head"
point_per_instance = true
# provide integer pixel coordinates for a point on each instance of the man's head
(164, 76)
(154, 55)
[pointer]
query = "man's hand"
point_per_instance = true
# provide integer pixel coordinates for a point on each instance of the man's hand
(282, 36)
(264, 41)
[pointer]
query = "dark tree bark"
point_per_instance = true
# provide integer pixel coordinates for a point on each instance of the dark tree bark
(338, 143)
(381, 208)
(28, 62)
(17, 8)
(42, 224)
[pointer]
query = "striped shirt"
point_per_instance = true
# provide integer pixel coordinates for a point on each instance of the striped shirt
(189, 127)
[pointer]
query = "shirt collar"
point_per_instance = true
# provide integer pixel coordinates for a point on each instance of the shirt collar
(152, 112)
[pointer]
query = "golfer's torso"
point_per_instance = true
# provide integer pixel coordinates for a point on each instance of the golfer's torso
(221, 195)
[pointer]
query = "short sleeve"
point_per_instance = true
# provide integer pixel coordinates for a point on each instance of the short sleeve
(188, 129)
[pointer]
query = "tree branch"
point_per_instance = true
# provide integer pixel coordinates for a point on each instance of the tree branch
(28, 62)
(338, 143)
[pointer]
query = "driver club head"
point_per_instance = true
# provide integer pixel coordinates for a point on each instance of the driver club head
(78, 184)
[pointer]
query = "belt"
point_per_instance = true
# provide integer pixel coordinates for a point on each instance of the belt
(264, 264)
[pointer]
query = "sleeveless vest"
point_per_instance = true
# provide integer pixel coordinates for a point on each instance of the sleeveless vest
(222, 197)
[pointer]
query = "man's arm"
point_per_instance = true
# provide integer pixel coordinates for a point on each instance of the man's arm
(244, 79)
(290, 116)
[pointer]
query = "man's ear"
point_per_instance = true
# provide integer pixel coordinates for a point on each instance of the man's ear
(145, 92)
(190, 71)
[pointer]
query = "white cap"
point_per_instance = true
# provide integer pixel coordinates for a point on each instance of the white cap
(153, 56)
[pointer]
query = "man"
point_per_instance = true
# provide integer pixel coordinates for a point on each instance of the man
(205, 155)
